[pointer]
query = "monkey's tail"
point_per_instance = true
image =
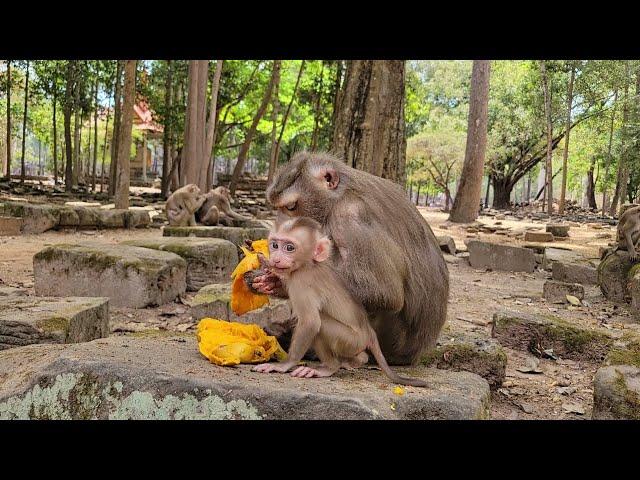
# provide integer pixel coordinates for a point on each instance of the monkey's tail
(374, 348)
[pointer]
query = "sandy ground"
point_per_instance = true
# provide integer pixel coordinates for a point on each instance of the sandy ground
(562, 391)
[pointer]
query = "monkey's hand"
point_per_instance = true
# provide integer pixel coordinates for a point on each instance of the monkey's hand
(268, 284)
(633, 255)
(280, 367)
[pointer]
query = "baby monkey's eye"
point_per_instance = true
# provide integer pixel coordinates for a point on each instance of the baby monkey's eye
(292, 206)
(289, 247)
(274, 245)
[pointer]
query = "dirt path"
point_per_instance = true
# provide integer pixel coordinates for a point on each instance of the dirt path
(475, 295)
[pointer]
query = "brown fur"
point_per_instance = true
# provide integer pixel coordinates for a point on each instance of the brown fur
(386, 253)
(220, 199)
(329, 318)
(628, 232)
(182, 205)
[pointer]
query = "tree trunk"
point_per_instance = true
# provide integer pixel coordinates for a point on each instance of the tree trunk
(547, 114)
(501, 193)
(286, 114)
(24, 123)
(68, 105)
(591, 186)
(76, 131)
(8, 119)
(244, 150)
(273, 161)
(469, 194)
(95, 139)
(209, 153)
(166, 138)
(124, 142)
(565, 153)
(117, 118)
(608, 158)
(104, 151)
(55, 135)
(316, 115)
(194, 137)
(486, 195)
(337, 96)
(623, 172)
(369, 131)
(418, 193)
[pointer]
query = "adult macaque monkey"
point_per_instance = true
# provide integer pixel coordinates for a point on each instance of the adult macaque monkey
(329, 318)
(386, 254)
(217, 208)
(182, 205)
(628, 233)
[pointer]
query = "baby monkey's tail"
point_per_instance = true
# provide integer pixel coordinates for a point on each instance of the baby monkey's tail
(374, 348)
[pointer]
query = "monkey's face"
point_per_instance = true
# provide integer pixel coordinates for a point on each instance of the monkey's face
(289, 251)
(307, 186)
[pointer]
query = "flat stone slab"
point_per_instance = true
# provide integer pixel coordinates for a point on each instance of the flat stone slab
(26, 320)
(235, 235)
(538, 237)
(535, 334)
(500, 257)
(209, 260)
(575, 273)
(129, 276)
(38, 218)
(11, 291)
(552, 255)
(556, 291)
(616, 393)
(165, 377)
(10, 226)
(471, 353)
(213, 301)
(447, 244)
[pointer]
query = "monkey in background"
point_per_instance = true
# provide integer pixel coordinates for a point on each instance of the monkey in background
(628, 232)
(217, 208)
(182, 205)
(329, 319)
(385, 252)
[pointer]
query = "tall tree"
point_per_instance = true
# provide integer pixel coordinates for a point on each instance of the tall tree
(104, 149)
(68, 106)
(468, 196)
(166, 137)
(8, 119)
(547, 114)
(623, 176)
(24, 123)
(54, 87)
(244, 149)
(194, 134)
(124, 142)
(286, 114)
(95, 136)
(369, 131)
(117, 117)
(608, 156)
(275, 111)
(316, 116)
(567, 130)
(77, 125)
(211, 125)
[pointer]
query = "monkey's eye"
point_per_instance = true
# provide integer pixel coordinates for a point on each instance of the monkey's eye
(274, 245)
(289, 247)
(292, 206)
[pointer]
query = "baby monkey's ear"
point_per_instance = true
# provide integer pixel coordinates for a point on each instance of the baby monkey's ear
(322, 250)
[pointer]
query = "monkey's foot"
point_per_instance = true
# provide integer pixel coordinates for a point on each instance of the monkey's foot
(308, 372)
(272, 367)
(358, 361)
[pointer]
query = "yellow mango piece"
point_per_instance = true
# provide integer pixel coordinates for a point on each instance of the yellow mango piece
(231, 343)
(244, 300)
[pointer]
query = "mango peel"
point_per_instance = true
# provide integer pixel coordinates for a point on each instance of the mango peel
(243, 300)
(231, 343)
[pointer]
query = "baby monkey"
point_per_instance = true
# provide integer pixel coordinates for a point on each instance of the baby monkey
(628, 232)
(329, 319)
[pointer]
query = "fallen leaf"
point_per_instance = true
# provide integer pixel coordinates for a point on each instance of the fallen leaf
(575, 301)
(398, 391)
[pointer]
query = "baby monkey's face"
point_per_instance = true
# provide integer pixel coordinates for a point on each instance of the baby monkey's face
(289, 251)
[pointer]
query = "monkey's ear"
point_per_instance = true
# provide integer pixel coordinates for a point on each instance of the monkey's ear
(331, 177)
(323, 248)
